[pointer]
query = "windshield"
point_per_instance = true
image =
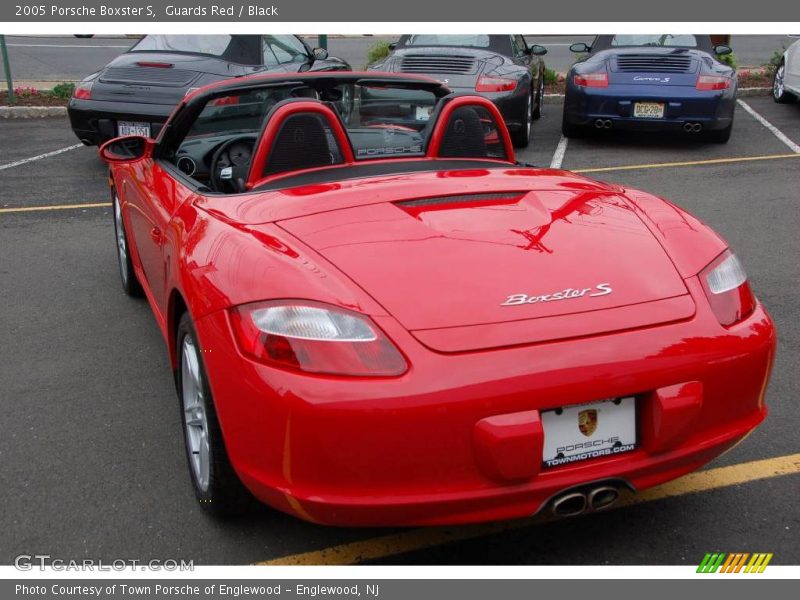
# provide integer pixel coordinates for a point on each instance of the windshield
(667, 40)
(475, 41)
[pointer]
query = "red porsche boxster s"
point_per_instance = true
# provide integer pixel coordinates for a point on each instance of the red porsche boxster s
(387, 320)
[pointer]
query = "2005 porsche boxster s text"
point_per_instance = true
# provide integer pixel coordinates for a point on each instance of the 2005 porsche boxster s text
(391, 321)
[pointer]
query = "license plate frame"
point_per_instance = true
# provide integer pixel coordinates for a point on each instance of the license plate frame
(576, 433)
(133, 128)
(648, 110)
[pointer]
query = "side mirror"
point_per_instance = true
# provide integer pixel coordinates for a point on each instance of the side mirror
(392, 45)
(722, 50)
(538, 50)
(580, 48)
(126, 149)
(320, 54)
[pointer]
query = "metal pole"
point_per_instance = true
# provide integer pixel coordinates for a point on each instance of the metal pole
(7, 68)
(322, 40)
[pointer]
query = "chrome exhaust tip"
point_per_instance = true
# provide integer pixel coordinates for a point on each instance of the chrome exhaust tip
(598, 123)
(692, 127)
(570, 505)
(603, 497)
(607, 124)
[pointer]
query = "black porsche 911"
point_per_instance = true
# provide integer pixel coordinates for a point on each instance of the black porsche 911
(502, 68)
(136, 92)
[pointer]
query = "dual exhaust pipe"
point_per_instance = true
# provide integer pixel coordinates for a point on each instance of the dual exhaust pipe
(603, 124)
(688, 127)
(572, 504)
(692, 127)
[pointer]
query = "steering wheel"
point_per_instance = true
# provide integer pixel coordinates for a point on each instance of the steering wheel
(230, 164)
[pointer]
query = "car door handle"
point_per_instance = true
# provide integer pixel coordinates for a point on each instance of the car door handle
(155, 234)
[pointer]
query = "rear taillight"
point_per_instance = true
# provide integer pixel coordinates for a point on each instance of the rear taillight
(495, 84)
(713, 82)
(154, 64)
(596, 80)
(727, 289)
(83, 91)
(315, 338)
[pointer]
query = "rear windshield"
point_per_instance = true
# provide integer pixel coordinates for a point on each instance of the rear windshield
(667, 40)
(474, 41)
(240, 49)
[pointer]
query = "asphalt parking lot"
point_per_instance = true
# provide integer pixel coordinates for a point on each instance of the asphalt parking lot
(91, 456)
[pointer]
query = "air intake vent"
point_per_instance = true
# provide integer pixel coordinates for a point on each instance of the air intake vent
(648, 63)
(148, 76)
(423, 63)
(443, 202)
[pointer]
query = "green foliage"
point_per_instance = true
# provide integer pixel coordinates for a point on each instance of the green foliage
(63, 90)
(729, 59)
(378, 51)
(550, 76)
(775, 60)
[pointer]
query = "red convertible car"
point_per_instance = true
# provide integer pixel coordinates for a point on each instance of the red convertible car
(391, 321)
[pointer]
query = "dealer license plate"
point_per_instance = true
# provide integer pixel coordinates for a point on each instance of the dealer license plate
(133, 128)
(584, 431)
(649, 110)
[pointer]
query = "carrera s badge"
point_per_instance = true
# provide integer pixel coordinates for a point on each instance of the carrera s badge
(601, 289)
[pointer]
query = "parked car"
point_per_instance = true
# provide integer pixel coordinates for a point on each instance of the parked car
(399, 324)
(502, 68)
(137, 91)
(786, 83)
(651, 83)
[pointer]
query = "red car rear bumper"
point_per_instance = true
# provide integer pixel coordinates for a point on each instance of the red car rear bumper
(417, 449)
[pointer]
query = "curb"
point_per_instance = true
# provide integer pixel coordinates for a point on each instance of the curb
(32, 112)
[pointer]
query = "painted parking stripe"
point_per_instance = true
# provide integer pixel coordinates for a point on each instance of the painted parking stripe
(687, 163)
(22, 209)
(775, 131)
(691, 163)
(558, 155)
(25, 161)
(420, 539)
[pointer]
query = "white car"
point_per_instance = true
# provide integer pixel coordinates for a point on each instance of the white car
(786, 84)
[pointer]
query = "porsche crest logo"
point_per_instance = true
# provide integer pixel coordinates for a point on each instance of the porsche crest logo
(587, 421)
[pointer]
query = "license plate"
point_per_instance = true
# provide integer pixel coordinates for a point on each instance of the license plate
(584, 431)
(649, 110)
(133, 128)
(424, 113)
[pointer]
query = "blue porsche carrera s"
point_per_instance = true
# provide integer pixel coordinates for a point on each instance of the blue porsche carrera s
(651, 83)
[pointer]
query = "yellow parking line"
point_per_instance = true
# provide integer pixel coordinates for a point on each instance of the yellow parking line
(419, 539)
(55, 207)
(688, 163)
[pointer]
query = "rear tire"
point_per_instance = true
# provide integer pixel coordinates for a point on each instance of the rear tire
(522, 137)
(779, 93)
(130, 284)
(216, 485)
(568, 130)
(720, 136)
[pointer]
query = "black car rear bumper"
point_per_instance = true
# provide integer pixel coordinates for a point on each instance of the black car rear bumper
(95, 121)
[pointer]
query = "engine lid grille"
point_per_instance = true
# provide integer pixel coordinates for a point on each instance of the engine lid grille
(148, 76)
(426, 63)
(646, 63)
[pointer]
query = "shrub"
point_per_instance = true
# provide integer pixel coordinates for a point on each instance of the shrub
(729, 59)
(775, 60)
(378, 51)
(550, 76)
(64, 90)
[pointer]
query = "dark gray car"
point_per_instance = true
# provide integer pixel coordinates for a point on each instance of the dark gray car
(502, 68)
(137, 91)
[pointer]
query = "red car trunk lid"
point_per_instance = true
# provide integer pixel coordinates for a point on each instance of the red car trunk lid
(440, 264)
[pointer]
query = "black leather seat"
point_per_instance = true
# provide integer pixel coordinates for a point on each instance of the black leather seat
(301, 143)
(464, 136)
